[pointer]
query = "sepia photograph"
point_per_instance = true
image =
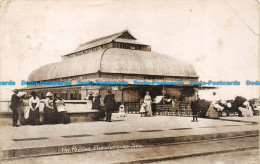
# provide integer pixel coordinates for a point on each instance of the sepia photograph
(129, 81)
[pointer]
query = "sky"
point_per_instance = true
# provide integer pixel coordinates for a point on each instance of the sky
(219, 37)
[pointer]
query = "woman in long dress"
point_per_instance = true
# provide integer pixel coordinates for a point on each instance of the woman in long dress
(212, 112)
(97, 105)
(60, 104)
(34, 115)
(148, 102)
(246, 110)
(49, 111)
(23, 109)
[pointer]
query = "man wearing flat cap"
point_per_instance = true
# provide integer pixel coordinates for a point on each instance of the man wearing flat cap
(15, 100)
(109, 102)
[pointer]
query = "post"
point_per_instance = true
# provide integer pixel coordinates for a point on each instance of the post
(163, 100)
(122, 93)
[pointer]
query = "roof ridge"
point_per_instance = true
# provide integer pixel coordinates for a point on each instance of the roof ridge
(105, 37)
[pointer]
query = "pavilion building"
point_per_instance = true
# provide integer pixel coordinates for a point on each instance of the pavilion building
(117, 57)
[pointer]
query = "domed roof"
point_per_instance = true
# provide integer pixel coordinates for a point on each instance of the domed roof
(115, 60)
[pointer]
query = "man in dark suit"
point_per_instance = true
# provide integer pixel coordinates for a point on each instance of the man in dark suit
(15, 100)
(109, 102)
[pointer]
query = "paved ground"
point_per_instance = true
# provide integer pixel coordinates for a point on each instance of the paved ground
(131, 127)
(130, 131)
(240, 150)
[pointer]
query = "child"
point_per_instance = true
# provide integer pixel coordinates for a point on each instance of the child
(122, 110)
(143, 109)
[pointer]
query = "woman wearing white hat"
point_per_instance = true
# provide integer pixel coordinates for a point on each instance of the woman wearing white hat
(246, 110)
(50, 114)
(24, 109)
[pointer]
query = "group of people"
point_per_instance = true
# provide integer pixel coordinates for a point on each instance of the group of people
(217, 108)
(109, 105)
(25, 109)
(148, 106)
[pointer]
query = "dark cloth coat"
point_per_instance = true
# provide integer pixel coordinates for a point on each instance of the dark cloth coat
(109, 102)
(15, 101)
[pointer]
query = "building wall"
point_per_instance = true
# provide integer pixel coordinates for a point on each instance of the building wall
(129, 95)
(176, 92)
(121, 94)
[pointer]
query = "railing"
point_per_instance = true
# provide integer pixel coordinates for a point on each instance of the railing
(132, 107)
(4, 106)
(180, 109)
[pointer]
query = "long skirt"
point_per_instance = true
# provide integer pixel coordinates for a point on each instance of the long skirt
(34, 116)
(50, 116)
(142, 109)
(246, 112)
(212, 113)
(21, 112)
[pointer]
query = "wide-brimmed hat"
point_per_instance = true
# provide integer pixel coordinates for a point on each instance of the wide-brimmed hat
(49, 94)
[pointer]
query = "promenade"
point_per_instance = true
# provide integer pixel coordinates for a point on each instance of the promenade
(130, 132)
